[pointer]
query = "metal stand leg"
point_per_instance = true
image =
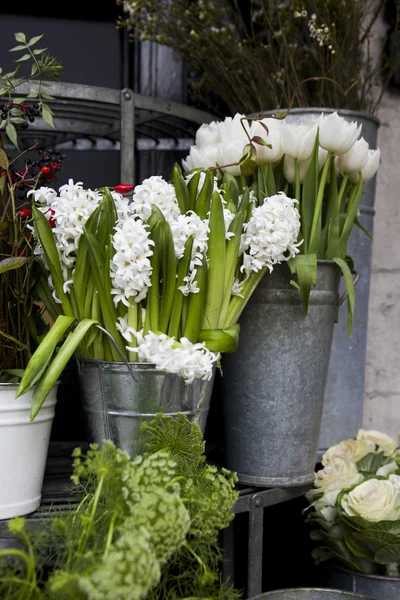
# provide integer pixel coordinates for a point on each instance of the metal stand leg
(127, 148)
(256, 521)
(228, 569)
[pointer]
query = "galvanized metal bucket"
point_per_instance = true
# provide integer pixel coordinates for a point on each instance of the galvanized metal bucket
(273, 385)
(378, 587)
(344, 393)
(118, 397)
(311, 594)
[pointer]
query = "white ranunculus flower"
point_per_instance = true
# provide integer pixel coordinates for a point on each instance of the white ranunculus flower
(353, 450)
(201, 158)
(354, 159)
(387, 469)
(339, 474)
(374, 500)
(264, 154)
(207, 135)
(384, 442)
(298, 140)
(326, 505)
(336, 134)
(369, 169)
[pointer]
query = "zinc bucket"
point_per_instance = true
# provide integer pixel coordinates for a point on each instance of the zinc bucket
(118, 397)
(273, 385)
(378, 587)
(310, 594)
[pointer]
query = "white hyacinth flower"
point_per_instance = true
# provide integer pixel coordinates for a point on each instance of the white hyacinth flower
(190, 361)
(43, 195)
(185, 226)
(128, 333)
(270, 236)
(130, 265)
(190, 286)
(155, 191)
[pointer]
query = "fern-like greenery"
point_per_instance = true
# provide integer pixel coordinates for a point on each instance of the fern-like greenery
(145, 529)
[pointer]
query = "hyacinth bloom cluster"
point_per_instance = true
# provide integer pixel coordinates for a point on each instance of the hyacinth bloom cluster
(355, 501)
(323, 164)
(166, 273)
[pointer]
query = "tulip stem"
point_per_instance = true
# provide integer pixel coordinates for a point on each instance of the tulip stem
(342, 189)
(132, 322)
(318, 204)
(297, 179)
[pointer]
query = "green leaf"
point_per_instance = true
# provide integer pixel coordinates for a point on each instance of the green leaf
(305, 267)
(43, 354)
(388, 554)
(202, 205)
(309, 197)
(216, 266)
(10, 338)
(46, 96)
(259, 140)
(270, 179)
(34, 40)
(196, 304)
(12, 134)
(351, 214)
(33, 95)
(248, 166)
(50, 377)
(39, 51)
(16, 48)
(20, 37)
(23, 58)
(47, 114)
(169, 278)
(349, 283)
(221, 340)
(358, 224)
(3, 160)
(33, 72)
(183, 268)
(181, 189)
(14, 262)
(193, 188)
(370, 463)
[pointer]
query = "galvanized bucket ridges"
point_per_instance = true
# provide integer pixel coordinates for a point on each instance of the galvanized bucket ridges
(377, 587)
(310, 594)
(273, 385)
(116, 400)
(344, 393)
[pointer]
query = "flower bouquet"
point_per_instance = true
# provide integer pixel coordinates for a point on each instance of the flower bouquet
(355, 505)
(162, 279)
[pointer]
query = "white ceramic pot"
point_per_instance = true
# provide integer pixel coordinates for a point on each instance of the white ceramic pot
(23, 450)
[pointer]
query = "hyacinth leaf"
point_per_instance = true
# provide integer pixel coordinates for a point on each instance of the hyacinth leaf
(230, 182)
(270, 179)
(169, 278)
(97, 266)
(309, 196)
(43, 291)
(14, 262)
(202, 206)
(231, 262)
(43, 354)
(107, 218)
(183, 268)
(192, 188)
(238, 303)
(305, 267)
(46, 238)
(153, 295)
(245, 203)
(196, 305)
(352, 211)
(349, 283)
(216, 267)
(83, 285)
(221, 340)
(51, 375)
(261, 185)
(181, 189)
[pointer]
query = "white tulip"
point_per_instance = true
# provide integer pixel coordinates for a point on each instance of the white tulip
(354, 159)
(264, 154)
(207, 135)
(322, 154)
(370, 167)
(374, 500)
(289, 170)
(336, 134)
(298, 140)
(384, 442)
(231, 129)
(231, 152)
(202, 158)
(353, 450)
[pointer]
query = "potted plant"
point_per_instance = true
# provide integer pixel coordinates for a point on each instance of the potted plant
(355, 514)
(24, 444)
(281, 364)
(147, 290)
(309, 57)
(146, 528)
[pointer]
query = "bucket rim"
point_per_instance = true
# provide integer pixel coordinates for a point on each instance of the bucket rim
(366, 575)
(147, 366)
(348, 112)
(317, 589)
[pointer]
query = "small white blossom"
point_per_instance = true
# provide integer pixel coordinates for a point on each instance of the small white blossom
(185, 226)
(190, 286)
(127, 332)
(155, 191)
(237, 288)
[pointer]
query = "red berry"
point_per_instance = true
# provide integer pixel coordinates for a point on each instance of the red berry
(21, 172)
(123, 188)
(45, 170)
(25, 213)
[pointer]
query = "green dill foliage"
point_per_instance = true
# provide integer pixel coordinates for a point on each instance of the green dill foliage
(145, 529)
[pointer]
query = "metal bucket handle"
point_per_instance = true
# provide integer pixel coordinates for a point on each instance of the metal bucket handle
(343, 297)
(123, 358)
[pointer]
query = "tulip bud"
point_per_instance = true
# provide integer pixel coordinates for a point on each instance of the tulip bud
(298, 140)
(289, 169)
(369, 169)
(354, 159)
(336, 134)
(201, 158)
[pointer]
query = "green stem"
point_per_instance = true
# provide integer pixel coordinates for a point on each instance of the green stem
(110, 534)
(132, 322)
(89, 522)
(342, 189)
(297, 179)
(318, 205)
(238, 304)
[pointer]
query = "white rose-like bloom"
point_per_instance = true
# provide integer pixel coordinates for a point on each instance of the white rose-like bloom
(354, 159)
(289, 169)
(369, 169)
(270, 236)
(374, 500)
(298, 140)
(233, 129)
(264, 154)
(326, 506)
(208, 135)
(384, 471)
(336, 134)
(230, 153)
(353, 450)
(339, 474)
(154, 191)
(384, 442)
(130, 266)
(191, 361)
(202, 158)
